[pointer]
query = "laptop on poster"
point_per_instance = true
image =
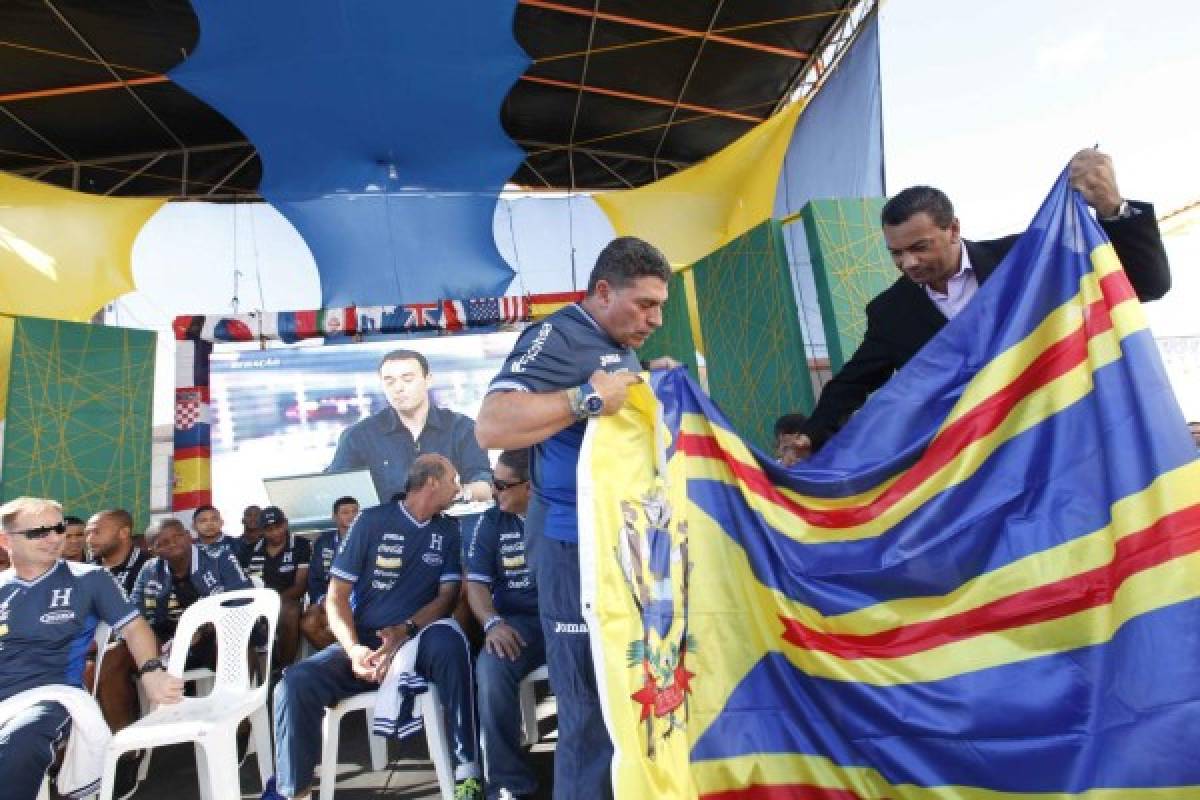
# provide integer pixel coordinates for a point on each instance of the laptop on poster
(308, 499)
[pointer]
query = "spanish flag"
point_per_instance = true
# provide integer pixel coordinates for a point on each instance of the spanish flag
(985, 587)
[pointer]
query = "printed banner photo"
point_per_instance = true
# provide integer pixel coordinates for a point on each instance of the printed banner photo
(986, 587)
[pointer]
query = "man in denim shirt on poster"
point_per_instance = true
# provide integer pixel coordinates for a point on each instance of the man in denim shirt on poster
(388, 441)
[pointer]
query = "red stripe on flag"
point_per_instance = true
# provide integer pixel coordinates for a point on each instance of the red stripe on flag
(184, 453)
(1116, 288)
(783, 791)
(1172, 536)
(557, 297)
(1054, 362)
(189, 500)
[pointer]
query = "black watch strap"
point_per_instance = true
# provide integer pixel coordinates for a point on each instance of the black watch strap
(411, 628)
(150, 665)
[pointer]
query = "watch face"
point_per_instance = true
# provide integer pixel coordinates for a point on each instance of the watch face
(593, 404)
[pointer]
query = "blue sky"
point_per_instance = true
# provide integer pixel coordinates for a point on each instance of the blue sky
(988, 100)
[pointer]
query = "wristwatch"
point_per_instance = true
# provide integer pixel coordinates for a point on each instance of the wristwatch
(585, 401)
(411, 628)
(1124, 211)
(150, 665)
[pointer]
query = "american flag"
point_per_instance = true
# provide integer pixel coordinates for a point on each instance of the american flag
(497, 310)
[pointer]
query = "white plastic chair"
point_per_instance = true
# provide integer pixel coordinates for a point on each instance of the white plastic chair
(72, 698)
(528, 697)
(430, 706)
(100, 637)
(211, 722)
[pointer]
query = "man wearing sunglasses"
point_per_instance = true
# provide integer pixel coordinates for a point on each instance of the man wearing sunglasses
(503, 596)
(48, 613)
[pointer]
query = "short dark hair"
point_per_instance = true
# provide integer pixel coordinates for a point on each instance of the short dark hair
(790, 424)
(124, 518)
(915, 200)
(624, 260)
(343, 501)
(168, 522)
(69, 520)
(201, 509)
(517, 461)
(405, 355)
(426, 468)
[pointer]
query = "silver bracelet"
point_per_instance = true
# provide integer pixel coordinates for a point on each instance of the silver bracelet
(492, 622)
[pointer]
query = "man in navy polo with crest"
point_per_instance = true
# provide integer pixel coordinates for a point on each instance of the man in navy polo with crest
(49, 609)
(181, 574)
(503, 596)
(313, 623)
(398, 572)
(575, 365)
(280, 560)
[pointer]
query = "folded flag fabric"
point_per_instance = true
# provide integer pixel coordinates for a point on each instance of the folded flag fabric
(985, 587)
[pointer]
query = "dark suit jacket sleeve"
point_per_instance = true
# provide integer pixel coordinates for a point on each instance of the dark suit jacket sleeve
(1140, 248)
(868, 369)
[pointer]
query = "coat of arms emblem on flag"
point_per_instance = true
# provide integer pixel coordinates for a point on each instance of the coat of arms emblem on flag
(653, 554)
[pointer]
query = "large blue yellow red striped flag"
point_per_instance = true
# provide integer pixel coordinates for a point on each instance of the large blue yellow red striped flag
(984, 587)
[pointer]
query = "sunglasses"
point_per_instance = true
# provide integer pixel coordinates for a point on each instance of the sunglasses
(45, 530)
(500, 486)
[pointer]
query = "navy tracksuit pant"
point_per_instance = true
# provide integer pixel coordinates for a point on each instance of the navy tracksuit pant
(325, 679)
(583, 756)
(27, 748)
(499, 681)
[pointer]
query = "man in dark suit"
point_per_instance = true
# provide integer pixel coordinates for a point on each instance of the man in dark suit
(942, 271)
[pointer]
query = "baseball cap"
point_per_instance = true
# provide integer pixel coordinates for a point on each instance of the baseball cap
(271, 515)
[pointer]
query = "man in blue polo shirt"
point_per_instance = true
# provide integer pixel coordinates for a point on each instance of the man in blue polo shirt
(181, 574)
(49, 609)
(315, 623)
(280, 560)
(399, 571)
(577, 364)
(388, 441)
(503, 597)
(207, 522)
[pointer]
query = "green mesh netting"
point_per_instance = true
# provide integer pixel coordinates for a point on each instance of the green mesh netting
(850, 266)
(78, 423)
(754, 349)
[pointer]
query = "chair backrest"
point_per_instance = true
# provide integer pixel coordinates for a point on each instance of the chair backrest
(234, 616)
(100, 637)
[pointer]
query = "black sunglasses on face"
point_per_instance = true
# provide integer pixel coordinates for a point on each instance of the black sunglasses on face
(45, 530)
(500, 486)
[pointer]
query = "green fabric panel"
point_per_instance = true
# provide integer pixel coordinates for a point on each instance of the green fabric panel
(78, 428)
(754, 350)
(674, 338)
(850, 265)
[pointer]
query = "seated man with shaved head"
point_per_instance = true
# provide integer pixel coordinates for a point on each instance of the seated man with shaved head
(109, 536)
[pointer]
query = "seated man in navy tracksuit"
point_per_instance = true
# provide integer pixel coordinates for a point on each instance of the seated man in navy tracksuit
(49, 609)
(313, 622)
(177, 577)
(503, 597)
(398, 572)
